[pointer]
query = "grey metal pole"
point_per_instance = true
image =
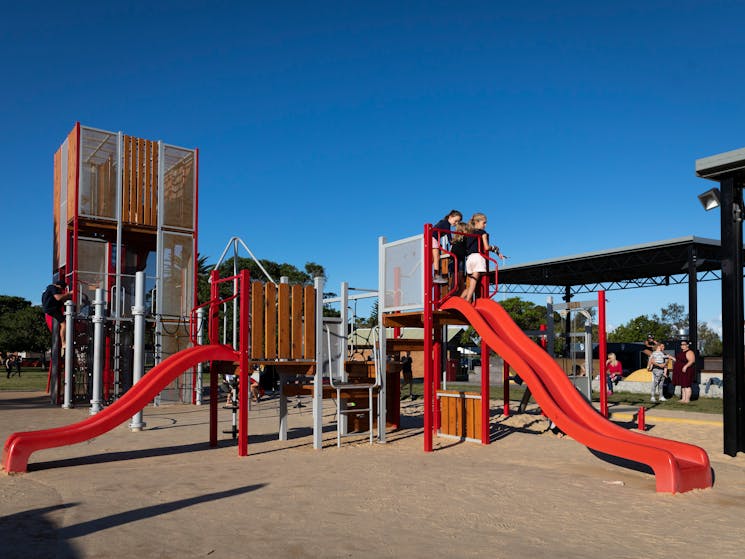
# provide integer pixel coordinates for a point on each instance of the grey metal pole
(200, 341)
(69, 352)
(138, 360)
(382, 354)
(318, 380)
(98, 321)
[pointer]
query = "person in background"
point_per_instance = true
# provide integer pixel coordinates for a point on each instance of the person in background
(407, 373)
(614, 371)
(684, 370)
(440, 239)
(9, 365)
(650, 345)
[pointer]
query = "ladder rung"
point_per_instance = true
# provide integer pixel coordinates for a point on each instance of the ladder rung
(355, 410)
(351, 386)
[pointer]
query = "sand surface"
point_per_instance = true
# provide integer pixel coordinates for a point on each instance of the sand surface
(163, 493)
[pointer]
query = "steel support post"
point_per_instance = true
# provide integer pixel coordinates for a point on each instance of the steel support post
(318, 378)
(200, 366)
(98, 350)
(69, 352)
(138, 359)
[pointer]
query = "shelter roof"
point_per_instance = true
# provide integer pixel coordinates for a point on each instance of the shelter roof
(641, 265)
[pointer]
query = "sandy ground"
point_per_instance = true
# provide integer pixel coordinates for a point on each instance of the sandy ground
(164, 493)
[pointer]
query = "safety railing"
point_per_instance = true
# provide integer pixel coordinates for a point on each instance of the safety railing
(213, 305)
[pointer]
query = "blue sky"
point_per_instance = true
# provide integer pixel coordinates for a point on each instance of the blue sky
(322, 125)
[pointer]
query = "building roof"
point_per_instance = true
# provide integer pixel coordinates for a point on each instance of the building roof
(641, 265)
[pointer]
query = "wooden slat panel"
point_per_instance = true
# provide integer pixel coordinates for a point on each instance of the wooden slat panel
(297, 321)
(477, 420)
(283, 319)
(148, 183)
(452, 407)
(140, 181)
(309, 323)
(154, 206)
(132, 180)
(470, 418)
(270, 321)
(126, 166)
(257, 320)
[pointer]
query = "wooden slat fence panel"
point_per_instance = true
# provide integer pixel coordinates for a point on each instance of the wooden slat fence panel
(283, 320)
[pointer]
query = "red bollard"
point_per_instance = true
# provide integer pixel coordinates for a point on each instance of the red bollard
(640, 419)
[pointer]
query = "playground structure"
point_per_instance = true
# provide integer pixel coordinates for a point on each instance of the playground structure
(284, 327)
(121, 205)
(678, 467)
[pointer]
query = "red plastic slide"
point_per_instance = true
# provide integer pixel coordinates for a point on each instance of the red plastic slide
(678, 467)
(20, 446)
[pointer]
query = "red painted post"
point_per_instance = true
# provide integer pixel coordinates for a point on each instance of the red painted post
(243, 386)
(506, 389)
(484, 393)
(214, 336)
(640, 419)
(427, 323)
(437, 360)
(602, 354)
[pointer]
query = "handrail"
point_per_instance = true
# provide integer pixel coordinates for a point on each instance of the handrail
(213, 300)
(376, 361)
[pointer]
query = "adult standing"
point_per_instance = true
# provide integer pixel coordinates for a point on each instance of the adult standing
(684, 370)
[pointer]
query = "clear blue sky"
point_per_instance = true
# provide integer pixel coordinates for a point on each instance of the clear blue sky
(322, 125)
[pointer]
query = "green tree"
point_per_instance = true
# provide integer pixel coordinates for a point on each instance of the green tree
(526, 315)
(10, 304)
(23, 329)
(637, 329)
(675, 317)
(709, 340)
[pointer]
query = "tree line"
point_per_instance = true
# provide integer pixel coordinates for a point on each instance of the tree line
(663, 326)
(22, 325)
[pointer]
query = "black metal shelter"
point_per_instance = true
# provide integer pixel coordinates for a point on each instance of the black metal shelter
(675, 261)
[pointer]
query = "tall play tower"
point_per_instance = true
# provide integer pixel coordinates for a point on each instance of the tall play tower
(121, 205)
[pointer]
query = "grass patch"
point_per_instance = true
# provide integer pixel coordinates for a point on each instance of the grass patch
(31, 379)
(702, 405)
(35, 379)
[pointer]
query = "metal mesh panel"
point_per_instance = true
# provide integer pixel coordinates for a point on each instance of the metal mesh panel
(179, 186)
(404, 279)
(91, 269)
(61, 232)
(175, 337)
(177, 285)
(98, 174)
